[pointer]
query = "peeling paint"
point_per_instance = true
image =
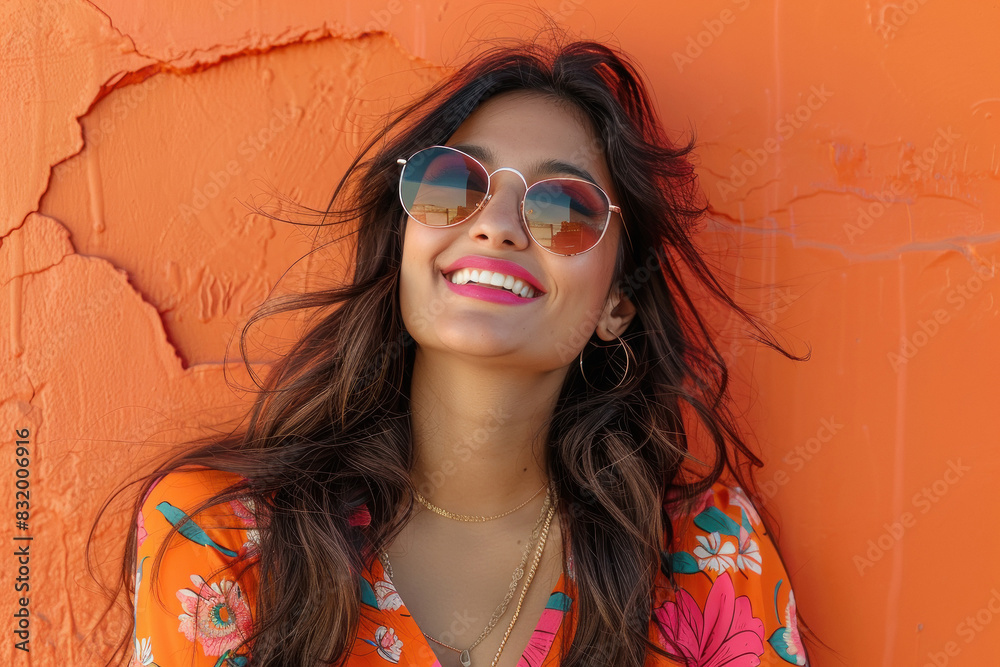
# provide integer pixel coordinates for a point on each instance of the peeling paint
(128, 260)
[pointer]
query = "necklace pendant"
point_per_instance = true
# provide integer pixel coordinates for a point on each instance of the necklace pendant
(466, 660)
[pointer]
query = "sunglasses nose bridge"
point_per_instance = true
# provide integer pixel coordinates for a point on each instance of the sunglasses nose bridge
(519, 198)
(490, 175)
(519, 175)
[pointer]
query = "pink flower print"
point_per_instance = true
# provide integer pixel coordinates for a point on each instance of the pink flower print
(714, 554)
(545, 632)
(141, 532)
(388, 645)
(727, 633)
(699, 504)
(793, 642)
(705, 500)
(386, 596)
(749, 555)
(739, 498)
(243, 508)
(215, 614)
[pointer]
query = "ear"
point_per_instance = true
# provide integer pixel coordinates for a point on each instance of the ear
(616, 316)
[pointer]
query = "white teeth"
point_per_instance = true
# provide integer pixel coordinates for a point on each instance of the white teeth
(514, 285)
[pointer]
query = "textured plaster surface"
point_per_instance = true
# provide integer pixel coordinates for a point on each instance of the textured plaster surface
(848, 151)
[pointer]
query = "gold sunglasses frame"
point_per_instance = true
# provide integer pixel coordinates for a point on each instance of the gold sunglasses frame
(612, 208)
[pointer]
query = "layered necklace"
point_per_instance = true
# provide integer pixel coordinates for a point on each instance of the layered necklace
(538, 537)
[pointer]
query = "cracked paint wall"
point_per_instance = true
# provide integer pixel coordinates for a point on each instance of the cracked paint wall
(849, 152)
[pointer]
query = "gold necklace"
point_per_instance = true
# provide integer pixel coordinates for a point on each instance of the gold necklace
(466, 517)
(531, 575)
(464, 656)
(466, 660)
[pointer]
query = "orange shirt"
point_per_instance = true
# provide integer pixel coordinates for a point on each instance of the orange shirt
(734, 605)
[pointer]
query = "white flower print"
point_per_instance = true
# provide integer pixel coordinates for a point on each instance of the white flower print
(142, 653)
(389, 646)
(244, 509)
(714, 554)
(386, 596)
(749, 556)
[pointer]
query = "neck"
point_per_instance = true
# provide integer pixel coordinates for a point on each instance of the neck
(479, 431)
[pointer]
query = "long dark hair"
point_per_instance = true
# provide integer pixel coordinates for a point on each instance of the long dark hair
(329, 430)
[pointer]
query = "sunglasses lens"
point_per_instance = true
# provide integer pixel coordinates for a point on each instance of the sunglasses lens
(441, 187)
(566, 216)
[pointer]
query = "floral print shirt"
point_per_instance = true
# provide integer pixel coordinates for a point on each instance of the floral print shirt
(734, 606)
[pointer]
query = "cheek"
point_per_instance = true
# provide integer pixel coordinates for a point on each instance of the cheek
(584, 295)
(418, 293)
(409, 270)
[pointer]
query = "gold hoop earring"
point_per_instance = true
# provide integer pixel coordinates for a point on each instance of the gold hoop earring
(628, 353)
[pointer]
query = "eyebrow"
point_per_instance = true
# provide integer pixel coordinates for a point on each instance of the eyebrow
(550, 166)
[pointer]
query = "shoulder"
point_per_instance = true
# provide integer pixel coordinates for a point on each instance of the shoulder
(174, 510)
(190, 487)
(723, 506)
(192, 605)
(731, 588)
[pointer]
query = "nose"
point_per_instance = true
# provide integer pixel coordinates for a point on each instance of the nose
(498, 220)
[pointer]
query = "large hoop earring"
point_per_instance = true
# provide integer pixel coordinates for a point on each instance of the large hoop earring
(628, 353)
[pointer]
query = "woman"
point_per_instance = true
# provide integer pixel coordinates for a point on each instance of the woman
(477, 457)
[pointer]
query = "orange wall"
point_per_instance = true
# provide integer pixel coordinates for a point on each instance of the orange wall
(849, 150)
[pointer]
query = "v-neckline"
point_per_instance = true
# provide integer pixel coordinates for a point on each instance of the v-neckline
(404, 612)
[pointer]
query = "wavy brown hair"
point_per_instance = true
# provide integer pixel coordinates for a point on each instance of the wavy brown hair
(330, 431)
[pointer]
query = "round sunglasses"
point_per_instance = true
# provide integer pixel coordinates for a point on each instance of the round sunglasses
(441, 186)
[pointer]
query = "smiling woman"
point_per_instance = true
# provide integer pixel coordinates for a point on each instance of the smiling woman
(515, 488)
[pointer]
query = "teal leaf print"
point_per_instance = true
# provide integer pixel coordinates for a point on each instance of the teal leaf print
(190, 529)
(559, 601)
(780, 646)
(714, 520)
(368, 594)
(683, 563)
(747, 526)
(786, 641)
(228, 659)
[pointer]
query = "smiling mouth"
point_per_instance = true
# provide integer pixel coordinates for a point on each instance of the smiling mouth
(494, 280)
